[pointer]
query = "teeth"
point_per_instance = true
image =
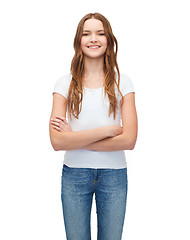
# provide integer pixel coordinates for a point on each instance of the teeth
(94, 47)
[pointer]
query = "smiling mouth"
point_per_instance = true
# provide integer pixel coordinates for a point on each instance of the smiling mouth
(93, 47)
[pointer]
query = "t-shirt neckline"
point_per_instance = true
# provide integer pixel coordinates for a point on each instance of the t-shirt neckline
(94, 89)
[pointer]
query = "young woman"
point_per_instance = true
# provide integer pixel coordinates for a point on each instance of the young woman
(96, 98)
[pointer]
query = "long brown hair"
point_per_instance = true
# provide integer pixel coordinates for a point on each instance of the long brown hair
(75, 93)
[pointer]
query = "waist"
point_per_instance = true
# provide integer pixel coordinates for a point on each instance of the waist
(95, 159)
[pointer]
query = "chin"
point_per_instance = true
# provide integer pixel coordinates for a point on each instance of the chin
(94, 55)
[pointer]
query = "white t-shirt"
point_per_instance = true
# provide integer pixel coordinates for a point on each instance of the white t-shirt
(94, 114)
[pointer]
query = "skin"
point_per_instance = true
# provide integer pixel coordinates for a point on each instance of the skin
(93, 58)
(61, 124)
(93, 34)
(94, 77)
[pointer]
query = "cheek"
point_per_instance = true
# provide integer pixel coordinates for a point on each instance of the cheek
(83, 42)
(104, 41)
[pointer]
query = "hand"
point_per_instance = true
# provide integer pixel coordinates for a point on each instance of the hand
(60, 124)
(115, 130)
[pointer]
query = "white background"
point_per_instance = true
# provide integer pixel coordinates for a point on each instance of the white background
(36, 49)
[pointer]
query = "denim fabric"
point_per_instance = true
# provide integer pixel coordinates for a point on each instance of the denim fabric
(77, 188)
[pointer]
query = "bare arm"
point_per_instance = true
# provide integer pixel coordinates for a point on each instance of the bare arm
(117, 143)
(69, 140)
(127, 140)
(66, 139)
(75, 140)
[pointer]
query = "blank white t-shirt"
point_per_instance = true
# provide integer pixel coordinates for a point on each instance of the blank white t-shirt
(94, 114)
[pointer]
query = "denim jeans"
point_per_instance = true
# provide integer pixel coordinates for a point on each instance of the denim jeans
(77, 188)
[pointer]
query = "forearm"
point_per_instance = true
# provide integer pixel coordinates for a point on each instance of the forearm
(74, 140)
(117, 143)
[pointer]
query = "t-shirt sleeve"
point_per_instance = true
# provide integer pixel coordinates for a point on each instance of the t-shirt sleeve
(62, 85)
(126, 84)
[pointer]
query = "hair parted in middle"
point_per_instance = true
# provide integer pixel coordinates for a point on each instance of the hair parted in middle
(75, 93)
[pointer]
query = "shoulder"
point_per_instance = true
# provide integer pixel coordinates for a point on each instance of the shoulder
(126, 84)
(62, 84)
(64, 79)
(125, 79)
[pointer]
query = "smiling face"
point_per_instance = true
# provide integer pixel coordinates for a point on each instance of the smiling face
(93, 41)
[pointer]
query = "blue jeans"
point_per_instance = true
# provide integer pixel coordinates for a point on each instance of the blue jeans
(77, 188)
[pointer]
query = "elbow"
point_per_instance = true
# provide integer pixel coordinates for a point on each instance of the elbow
(56, 146)
(129, 141)
(60, 146)
(130, 145)
(56, 140)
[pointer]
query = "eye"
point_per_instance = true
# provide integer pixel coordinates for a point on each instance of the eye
(101, 34)
(85, 34)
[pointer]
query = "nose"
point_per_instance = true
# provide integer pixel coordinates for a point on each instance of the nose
(93, 38)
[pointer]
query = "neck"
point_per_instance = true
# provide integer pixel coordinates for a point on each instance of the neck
(93, 68)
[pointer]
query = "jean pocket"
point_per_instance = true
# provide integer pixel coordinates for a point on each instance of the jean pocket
(63, 170)
(65, 167)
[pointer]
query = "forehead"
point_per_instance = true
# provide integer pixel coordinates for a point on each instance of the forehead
(93, 24)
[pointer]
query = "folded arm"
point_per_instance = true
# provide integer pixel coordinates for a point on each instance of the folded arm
(117, 143)
(127, 140)
(75, 140)
(99, 139)
(67, 139)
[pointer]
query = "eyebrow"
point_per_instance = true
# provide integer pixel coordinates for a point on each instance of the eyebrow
(97, 31)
